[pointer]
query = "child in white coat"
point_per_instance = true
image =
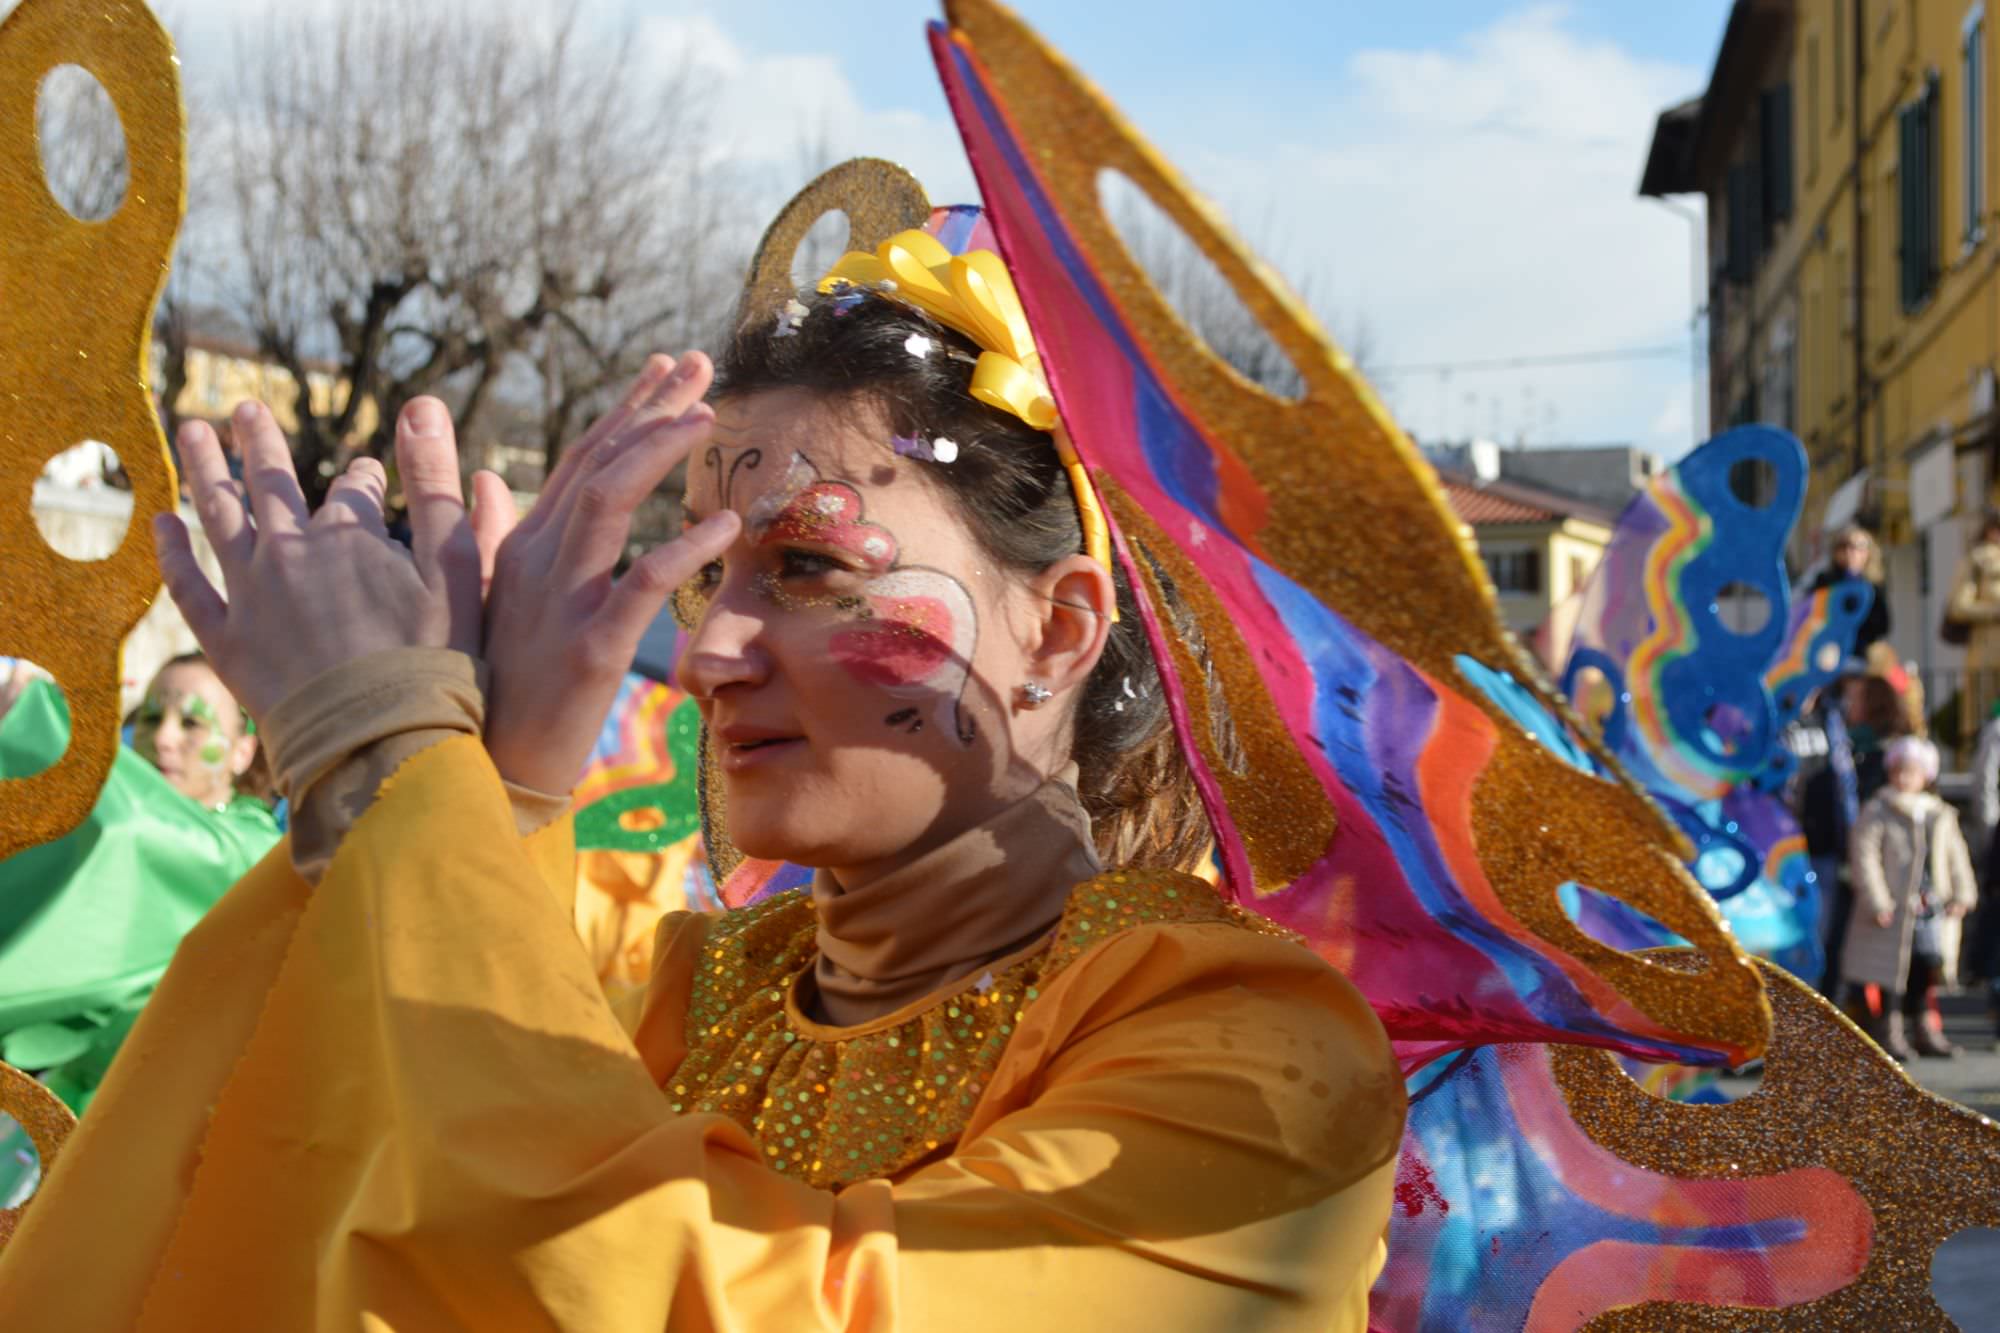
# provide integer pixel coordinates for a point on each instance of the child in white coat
(1913, 883)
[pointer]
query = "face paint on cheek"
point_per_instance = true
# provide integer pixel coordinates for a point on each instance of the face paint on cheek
(917, 643)
(213, 754)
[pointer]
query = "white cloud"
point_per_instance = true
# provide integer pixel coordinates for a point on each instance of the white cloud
(785, 113)
(1480, 201)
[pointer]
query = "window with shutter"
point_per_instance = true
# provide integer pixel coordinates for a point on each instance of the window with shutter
(1739, 256)
(1515, 571)
(1917, 196)
(1972, 69)
(1775, 140)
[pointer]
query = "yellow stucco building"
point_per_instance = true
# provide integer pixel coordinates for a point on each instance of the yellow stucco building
(1539, 548)
(222, 372)
(1848, 152)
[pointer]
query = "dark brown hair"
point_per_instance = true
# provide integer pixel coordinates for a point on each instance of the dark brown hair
(1008, 483)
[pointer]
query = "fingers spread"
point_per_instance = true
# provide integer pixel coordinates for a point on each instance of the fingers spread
(356, 496)
(216, 498)
(427, 458)
(275, 497)
(601, 517)
(684, 388)
(200, 605)
(637, 598)
(579, 456)
(493, 517)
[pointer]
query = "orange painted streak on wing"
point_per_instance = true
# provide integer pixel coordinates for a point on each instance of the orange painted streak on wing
(1446, 777)
(1794, 661)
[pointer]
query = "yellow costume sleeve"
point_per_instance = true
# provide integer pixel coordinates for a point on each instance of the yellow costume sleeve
(400, 1101)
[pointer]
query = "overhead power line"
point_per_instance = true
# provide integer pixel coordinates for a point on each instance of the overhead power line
(1529, 362)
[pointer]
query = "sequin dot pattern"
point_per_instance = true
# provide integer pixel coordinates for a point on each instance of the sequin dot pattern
(833, 1106)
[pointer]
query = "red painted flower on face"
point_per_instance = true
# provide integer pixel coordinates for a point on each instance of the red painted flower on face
(829, 514)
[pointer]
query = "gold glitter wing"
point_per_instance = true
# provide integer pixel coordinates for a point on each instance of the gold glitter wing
(1314, 488)
(48, 1123)
(1927, 1169)
(879, 200)
(75, 329)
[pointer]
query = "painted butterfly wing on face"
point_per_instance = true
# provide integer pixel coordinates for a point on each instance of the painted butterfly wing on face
(1311, 600)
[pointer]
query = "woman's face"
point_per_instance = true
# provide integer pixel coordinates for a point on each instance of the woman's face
(1852, 555)
(855, 654)
(191, 729)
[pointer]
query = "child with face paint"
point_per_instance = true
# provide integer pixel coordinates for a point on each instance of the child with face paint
(111, 901)
(192, 729)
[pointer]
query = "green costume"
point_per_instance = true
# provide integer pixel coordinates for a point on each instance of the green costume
(89, 922)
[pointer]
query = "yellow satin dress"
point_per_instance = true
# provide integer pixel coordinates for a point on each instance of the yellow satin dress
(400, 1101)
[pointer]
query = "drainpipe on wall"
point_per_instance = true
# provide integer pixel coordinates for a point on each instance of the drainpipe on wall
(1860, 256)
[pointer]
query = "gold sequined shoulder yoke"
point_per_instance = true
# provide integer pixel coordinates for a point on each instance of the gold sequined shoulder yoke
(838, 1105)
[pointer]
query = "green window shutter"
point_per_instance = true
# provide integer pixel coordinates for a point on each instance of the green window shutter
(1740, 262)
(1775, 141)
(1908, 224)
(1932, 184)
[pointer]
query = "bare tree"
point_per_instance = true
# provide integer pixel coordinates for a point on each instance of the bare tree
(464, 200)
(1204, 299)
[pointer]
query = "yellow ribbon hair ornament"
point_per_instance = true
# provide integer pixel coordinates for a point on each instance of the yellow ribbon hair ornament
(974, 294)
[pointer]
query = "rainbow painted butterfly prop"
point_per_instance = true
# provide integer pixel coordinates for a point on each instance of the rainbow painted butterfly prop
(1689, 633)
(1369, 787)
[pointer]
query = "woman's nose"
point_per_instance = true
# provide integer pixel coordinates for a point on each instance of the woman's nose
(725, 649)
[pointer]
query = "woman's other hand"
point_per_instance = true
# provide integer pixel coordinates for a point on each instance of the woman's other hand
(560, 633)
(306, 593)
(1885, 919)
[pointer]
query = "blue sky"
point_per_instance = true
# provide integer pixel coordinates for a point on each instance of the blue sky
(1458, 177)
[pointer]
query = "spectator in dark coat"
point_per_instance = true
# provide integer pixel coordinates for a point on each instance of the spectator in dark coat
(1855, 556)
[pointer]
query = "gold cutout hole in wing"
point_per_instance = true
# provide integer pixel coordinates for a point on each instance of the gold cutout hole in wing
(75, 329)
(48, 1124)
(879, 199)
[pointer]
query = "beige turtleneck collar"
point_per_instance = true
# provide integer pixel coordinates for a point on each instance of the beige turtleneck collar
(987, 893)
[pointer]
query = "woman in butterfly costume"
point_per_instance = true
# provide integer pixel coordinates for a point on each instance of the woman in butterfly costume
(1005, 604)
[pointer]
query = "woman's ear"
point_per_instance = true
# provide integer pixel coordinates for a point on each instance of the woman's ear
(1074, 600)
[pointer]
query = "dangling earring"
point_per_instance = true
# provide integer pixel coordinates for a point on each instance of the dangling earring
(1034, 694)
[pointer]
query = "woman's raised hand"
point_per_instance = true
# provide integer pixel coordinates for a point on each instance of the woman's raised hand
(310, 592)
(560, 633)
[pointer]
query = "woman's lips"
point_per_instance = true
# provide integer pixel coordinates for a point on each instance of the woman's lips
(748, 756)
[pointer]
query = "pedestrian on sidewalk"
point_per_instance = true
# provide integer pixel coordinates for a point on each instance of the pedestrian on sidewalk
(1913, 884)
(1856, 556)
(1826, 796)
